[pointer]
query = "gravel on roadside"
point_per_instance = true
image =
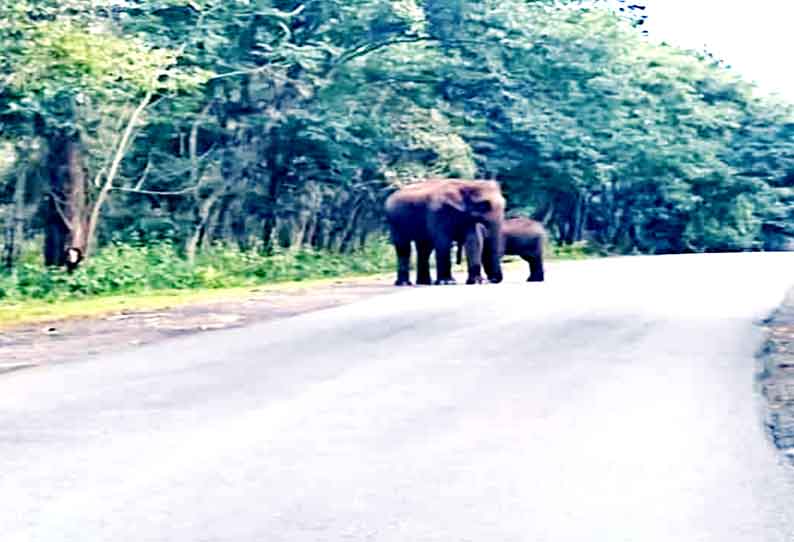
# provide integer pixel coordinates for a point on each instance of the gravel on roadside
(74, 339)
(775, 377)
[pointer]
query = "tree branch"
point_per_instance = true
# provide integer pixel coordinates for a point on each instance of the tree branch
(145, 173)
(121, 150)
(251, 71)
(365, 49)
(193, 144)
(157, 192)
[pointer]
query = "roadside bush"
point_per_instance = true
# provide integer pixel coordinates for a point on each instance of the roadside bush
(134, 268)
(576, 251)
(137, 268)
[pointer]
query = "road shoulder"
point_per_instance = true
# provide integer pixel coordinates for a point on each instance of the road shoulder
(775, 378)
(116, 324)
(68, 339)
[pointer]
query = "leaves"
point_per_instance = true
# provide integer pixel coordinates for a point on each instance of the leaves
(288, 120)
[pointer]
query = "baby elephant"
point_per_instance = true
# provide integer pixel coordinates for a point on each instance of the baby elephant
(520, 237)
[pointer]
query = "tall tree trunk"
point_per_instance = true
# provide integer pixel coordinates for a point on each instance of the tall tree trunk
(299, 234)
(580, 217)
(311, 228)
(611, 214)
(270, 221)
(66, 220)
(548, 214)
(8, 243)
(283, 229)
(210, 229)
(333, 241)
(19, 204)
(364, 232)
(200, 227)
(276, 164)
(110, 174)
(235, 225)
(15, 228)
(321, 229)
(192, 243)
(573, 225)
(623, 234)
(349, 231)
(203, 207)
(584, 218)
(566, 230)
(573, 220)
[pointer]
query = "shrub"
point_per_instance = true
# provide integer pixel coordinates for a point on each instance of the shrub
(136, 268)
(132, 268)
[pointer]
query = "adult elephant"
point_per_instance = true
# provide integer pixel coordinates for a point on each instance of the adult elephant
(521, 236)
(434, 213)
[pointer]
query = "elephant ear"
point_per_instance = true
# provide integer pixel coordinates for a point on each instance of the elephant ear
(449, 196)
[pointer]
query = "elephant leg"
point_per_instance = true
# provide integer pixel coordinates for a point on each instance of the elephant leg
(444, 263)
(473, 245)
(489, 258)
(535, 268)
(475, 275)
(486, 260)
(423, 250)
(403, 249)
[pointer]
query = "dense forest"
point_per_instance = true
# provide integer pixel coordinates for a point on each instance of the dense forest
(282, 125)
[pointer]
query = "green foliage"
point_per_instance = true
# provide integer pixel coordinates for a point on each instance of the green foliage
(143, 268)
(576, 251)
(605, 135)
(62, 56)
(281, 123)
(131, 269)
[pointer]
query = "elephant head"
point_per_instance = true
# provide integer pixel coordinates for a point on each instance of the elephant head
(478, 204)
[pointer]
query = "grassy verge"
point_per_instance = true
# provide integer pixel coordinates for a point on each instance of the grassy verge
(36, 310)
(144, 277)
(135, 278)
(31, 311)
(125, 269)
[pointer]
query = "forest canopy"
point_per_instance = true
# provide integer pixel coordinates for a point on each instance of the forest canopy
(281, 123)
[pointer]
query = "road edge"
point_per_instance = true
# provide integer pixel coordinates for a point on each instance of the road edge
(774, 377)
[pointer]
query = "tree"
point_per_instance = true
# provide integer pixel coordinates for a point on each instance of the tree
(285, 124)
(67, 73)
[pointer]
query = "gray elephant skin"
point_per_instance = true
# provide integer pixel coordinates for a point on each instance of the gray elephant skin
(520, 236)
(433, 214)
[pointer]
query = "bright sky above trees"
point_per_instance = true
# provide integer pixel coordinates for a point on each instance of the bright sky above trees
(754, 37)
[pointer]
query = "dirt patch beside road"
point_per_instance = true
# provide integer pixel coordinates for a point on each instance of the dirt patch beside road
(71, 339)
(776, 377)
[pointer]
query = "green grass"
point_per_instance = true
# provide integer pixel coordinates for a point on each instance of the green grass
(37, 310)
(140, 269)
(577, 251)
(152, 277)
(31, 311)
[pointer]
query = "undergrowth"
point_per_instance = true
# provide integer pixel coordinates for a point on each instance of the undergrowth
(134, 269)
(137, 268)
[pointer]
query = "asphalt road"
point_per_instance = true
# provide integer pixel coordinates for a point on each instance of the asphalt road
(613, 402)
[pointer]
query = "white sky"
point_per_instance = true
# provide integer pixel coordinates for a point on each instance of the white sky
(756, 37)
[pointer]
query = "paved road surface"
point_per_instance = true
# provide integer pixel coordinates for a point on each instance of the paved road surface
(611, 403)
